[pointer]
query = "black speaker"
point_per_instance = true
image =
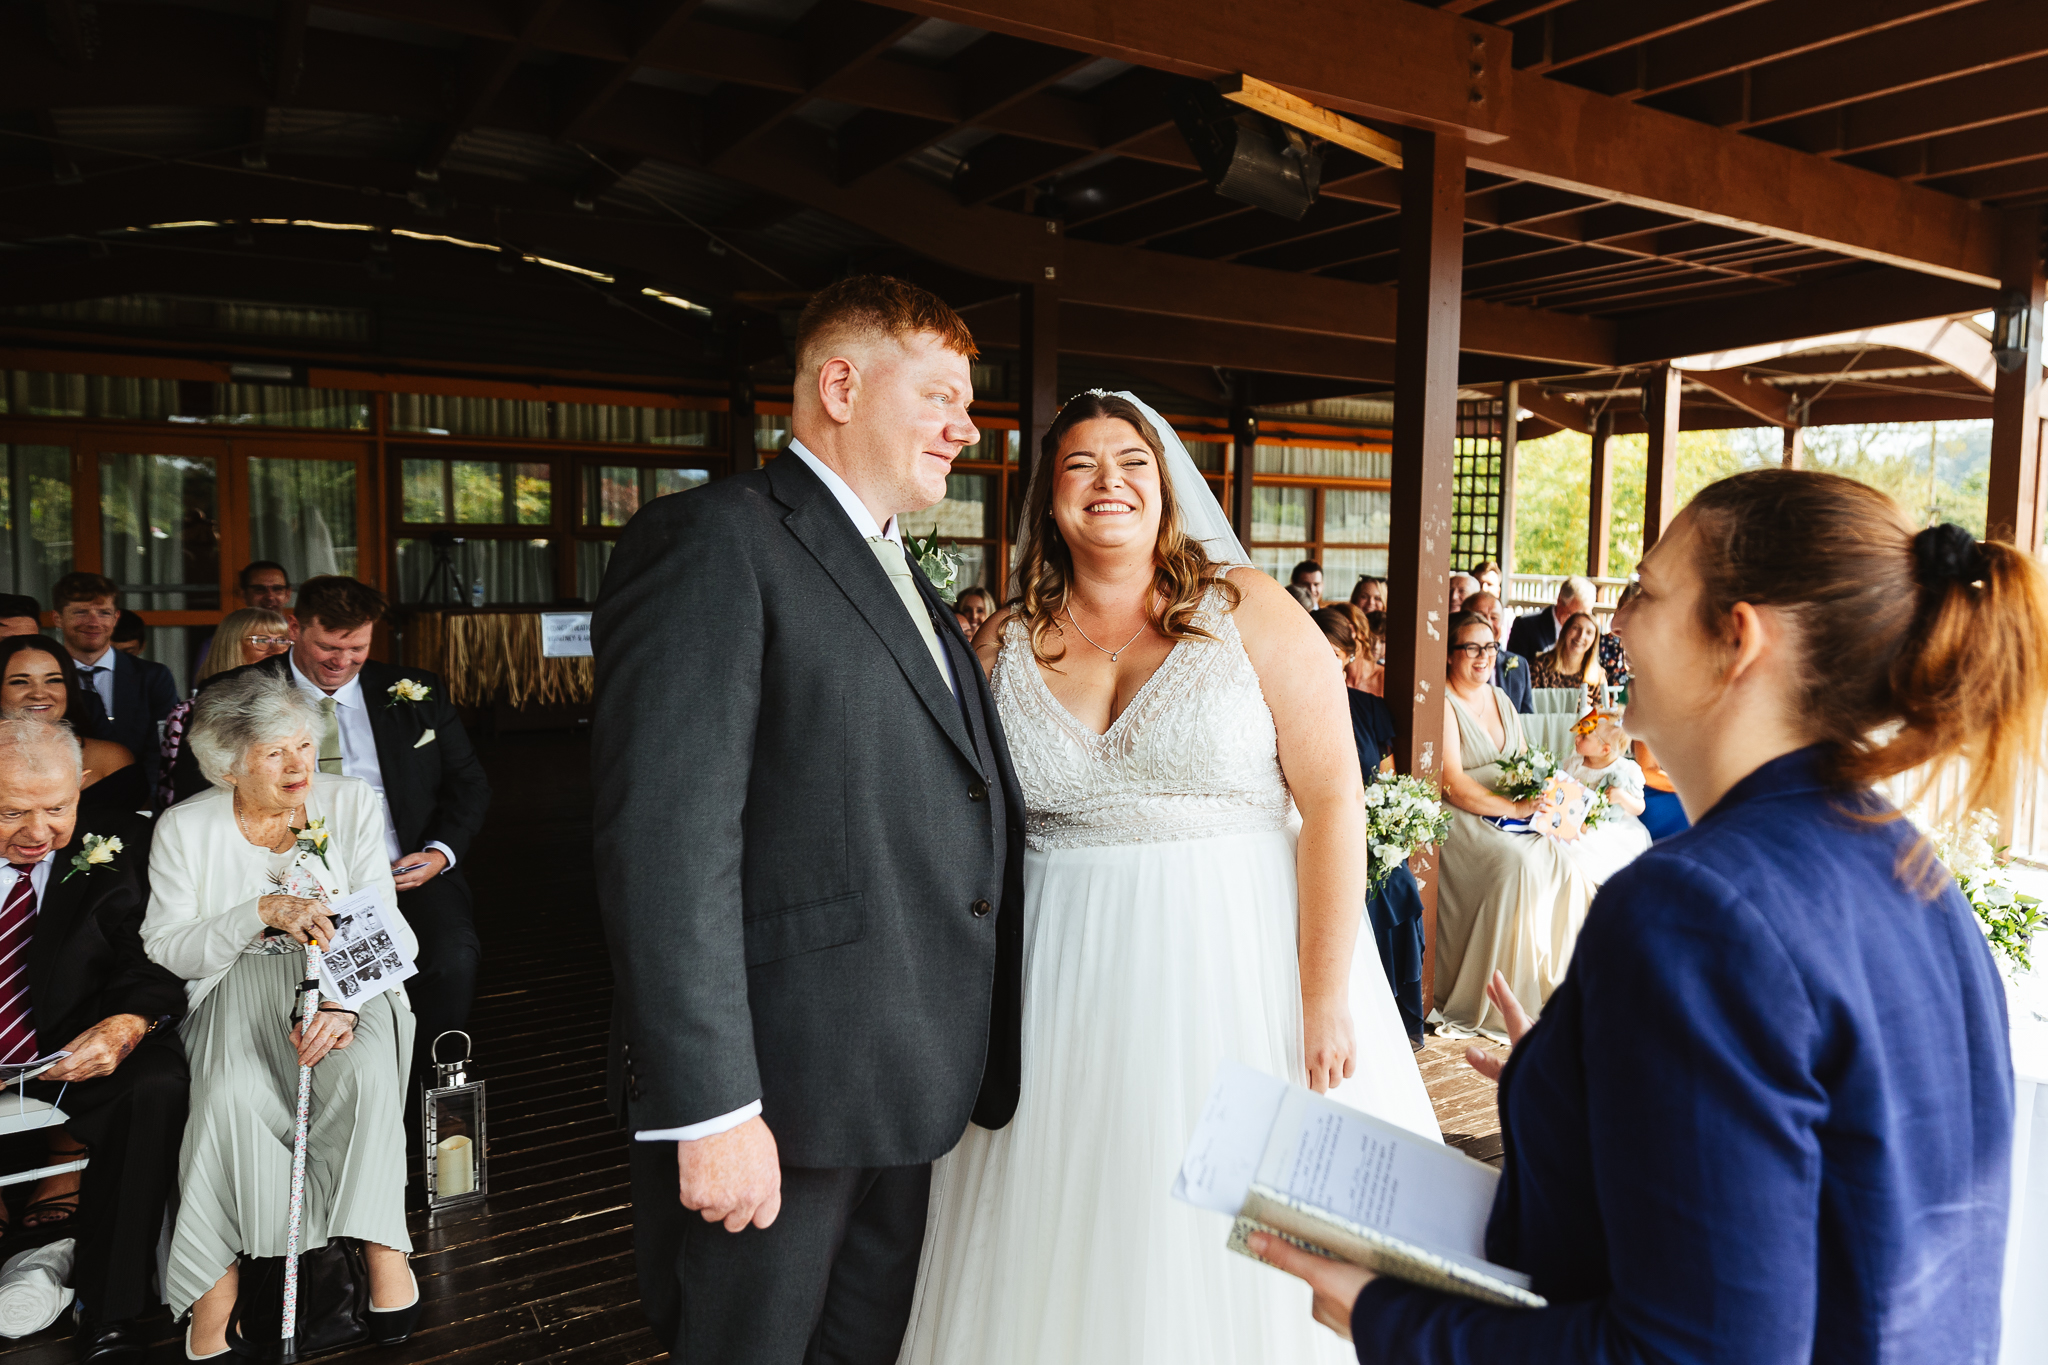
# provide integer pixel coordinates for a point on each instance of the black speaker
(1248, 157)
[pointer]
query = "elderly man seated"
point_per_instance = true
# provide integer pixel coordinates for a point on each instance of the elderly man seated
(78, 981)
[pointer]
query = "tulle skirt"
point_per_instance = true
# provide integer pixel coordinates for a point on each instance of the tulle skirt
(1056, 1240)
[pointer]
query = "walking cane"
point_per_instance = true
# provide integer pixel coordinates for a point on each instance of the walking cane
(309, 989)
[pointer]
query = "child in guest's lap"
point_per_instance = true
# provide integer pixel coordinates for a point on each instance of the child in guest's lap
(1601, 762)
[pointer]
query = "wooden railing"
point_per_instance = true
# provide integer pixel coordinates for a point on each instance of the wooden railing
(2026, 832)
(1526, 592)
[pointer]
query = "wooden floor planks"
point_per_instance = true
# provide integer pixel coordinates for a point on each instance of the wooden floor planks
(543, 1272)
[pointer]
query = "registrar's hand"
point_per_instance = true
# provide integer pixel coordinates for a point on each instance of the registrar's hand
(734, 1177)
(1513, 1015)
(1337, 1283)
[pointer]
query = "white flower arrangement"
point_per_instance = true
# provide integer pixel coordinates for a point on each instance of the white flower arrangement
(313, 839)
(99, 850)
(407, 689)
(936, 561)
(1527, 775)
(1402, 813)
(1982, 869)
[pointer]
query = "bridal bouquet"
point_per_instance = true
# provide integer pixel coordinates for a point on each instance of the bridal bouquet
(1527, 776)
(1982, 870)
(1402, 814)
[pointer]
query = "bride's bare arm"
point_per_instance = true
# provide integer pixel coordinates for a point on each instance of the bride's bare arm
(1318, 755)
(988, 641)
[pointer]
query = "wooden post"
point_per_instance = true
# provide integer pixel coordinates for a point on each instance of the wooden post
(739, 422)
(1660, 410)
(1599, 499)
(1244, 458)
(2013, 510)
(1038, 371)
(1425, 443)
(1511, 405)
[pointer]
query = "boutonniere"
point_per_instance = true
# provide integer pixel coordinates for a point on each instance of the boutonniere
(1512, 661)
(934, 559)
(313, 839)
(99, 850)
(405, 689)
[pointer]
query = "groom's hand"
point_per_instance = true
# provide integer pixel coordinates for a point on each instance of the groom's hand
(734, 1177)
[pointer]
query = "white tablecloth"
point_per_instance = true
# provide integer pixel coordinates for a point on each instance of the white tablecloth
(2025, 1341)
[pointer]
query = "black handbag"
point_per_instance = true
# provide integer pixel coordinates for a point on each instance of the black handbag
(334, 1302)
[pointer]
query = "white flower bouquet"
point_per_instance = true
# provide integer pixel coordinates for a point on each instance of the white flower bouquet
(1527, 776)
(1402, 813)
(1982, 869)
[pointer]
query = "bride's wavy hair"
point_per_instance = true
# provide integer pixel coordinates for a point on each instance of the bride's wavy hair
(1181, 570)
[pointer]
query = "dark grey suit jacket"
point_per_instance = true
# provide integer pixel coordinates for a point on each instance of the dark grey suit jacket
(1532, 634)
(809, 853)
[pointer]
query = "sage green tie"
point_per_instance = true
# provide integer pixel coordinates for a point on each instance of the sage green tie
(890, 556)
(330, 738)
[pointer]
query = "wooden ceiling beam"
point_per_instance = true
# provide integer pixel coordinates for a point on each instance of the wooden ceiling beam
(1866, 298)
(1980, 149)
(1772, 404)
(2024, 182)
(1980, 100)
(1121, 335)
(489, 65)
(1574, 33)
(600, 82)
(288, 49)
(835, 37)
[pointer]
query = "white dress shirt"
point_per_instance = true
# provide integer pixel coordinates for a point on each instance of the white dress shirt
(103, 681)
(863, 523)
(38, 876)
(359, 751)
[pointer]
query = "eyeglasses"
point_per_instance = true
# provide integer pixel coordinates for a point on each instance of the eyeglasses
(263, 641)
(1476, 651)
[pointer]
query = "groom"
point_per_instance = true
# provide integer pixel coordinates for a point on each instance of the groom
(809, 850)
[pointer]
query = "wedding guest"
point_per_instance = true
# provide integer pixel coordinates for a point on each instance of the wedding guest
(69, 935)
(1367, 671)
(396, 729)
(1370, 594)
(263, 585)
(1462, 586)
(1304, 594)
(1510, 670)
(130, 633)
(1534, 634)
(1394, 910)
(237, 885)
(1663, 812)
(39, 682)
(1599, 761)
(133, 694)
(973, 606)
(1790, 996)
(1614, 658)
(248, 636)
(1308, 574)
(1488, 574)
(1574, 660)
(20, 615)
(1507, 900)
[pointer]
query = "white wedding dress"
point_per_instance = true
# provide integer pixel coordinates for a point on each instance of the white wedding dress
(1159, 923)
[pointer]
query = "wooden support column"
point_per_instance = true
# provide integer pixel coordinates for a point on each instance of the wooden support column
(739, 422)
(1660, 411)
(1038, 370)
(1599, 499)
(1244, 458)
(1425, 444)
(2013, 510)
(1795, 447)
(1511, 405)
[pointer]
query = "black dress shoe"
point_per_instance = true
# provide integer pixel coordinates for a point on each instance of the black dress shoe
(115, 1343)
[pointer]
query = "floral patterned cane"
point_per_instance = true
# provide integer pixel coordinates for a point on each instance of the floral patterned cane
(310, 988)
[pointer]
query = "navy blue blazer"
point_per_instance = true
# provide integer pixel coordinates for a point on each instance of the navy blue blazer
(1511, 675)
(144, 693)
(1766, 1118)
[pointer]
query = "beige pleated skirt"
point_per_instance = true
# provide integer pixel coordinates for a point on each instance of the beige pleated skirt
(235, 1172)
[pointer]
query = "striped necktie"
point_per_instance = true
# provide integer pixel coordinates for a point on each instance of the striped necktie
(17, 930)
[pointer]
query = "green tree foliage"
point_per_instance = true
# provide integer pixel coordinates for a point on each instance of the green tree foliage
(1936, 470)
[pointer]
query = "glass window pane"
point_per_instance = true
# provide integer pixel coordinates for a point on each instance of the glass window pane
(967, 512)
(38, 518)
(160, 530)
(1343, 568)
(770, 432)
(1280, 513)
(479, 492)
(1356, 516)
(510, 571)
(302, 513)
(666, 481)
(1330, 464)
(973, 567)
(591, 558)
(442, 416)
(613, 493)
(534, 493)
(426, 491)
(1278, 560)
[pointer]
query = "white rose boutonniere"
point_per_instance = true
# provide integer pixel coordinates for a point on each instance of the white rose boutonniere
(99, 850)
(934, 559)
(313, 839)
(405, 689)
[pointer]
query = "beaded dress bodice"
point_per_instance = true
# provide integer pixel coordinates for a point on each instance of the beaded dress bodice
(1195, 754)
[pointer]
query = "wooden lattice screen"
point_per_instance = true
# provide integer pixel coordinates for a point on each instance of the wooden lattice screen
(1476, 484)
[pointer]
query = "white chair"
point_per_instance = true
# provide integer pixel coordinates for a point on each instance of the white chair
(1550, 732)
(1549, 701)
(20, 1114)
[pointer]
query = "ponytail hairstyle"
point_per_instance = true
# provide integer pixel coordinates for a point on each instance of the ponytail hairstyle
(1181, 570)
(1919, 646)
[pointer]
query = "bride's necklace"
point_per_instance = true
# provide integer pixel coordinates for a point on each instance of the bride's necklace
(1112, 653)
(242, 822)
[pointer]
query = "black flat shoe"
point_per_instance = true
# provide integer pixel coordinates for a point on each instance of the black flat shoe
(392, 1326)
(118, 1343)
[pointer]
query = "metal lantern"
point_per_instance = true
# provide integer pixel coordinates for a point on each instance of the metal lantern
(452, 1119)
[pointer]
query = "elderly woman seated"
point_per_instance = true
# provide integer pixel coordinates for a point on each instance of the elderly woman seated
(238, 885)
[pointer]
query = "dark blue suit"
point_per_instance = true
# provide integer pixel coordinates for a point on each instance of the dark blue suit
(144, 693)
(1766, 1118)
(1511, 675)
(1394, 911)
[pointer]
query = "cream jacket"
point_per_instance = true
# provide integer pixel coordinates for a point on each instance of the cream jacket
(206, 879)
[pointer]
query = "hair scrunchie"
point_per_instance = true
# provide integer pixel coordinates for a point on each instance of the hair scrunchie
(1947, 554)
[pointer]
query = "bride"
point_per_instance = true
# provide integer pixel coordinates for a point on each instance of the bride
(1162, 706)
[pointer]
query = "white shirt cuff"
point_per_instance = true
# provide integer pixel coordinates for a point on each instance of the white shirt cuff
(446, 852)
(708, 1128)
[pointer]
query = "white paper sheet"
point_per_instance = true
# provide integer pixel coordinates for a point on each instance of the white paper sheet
(366, 958)
(1230, 1137)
